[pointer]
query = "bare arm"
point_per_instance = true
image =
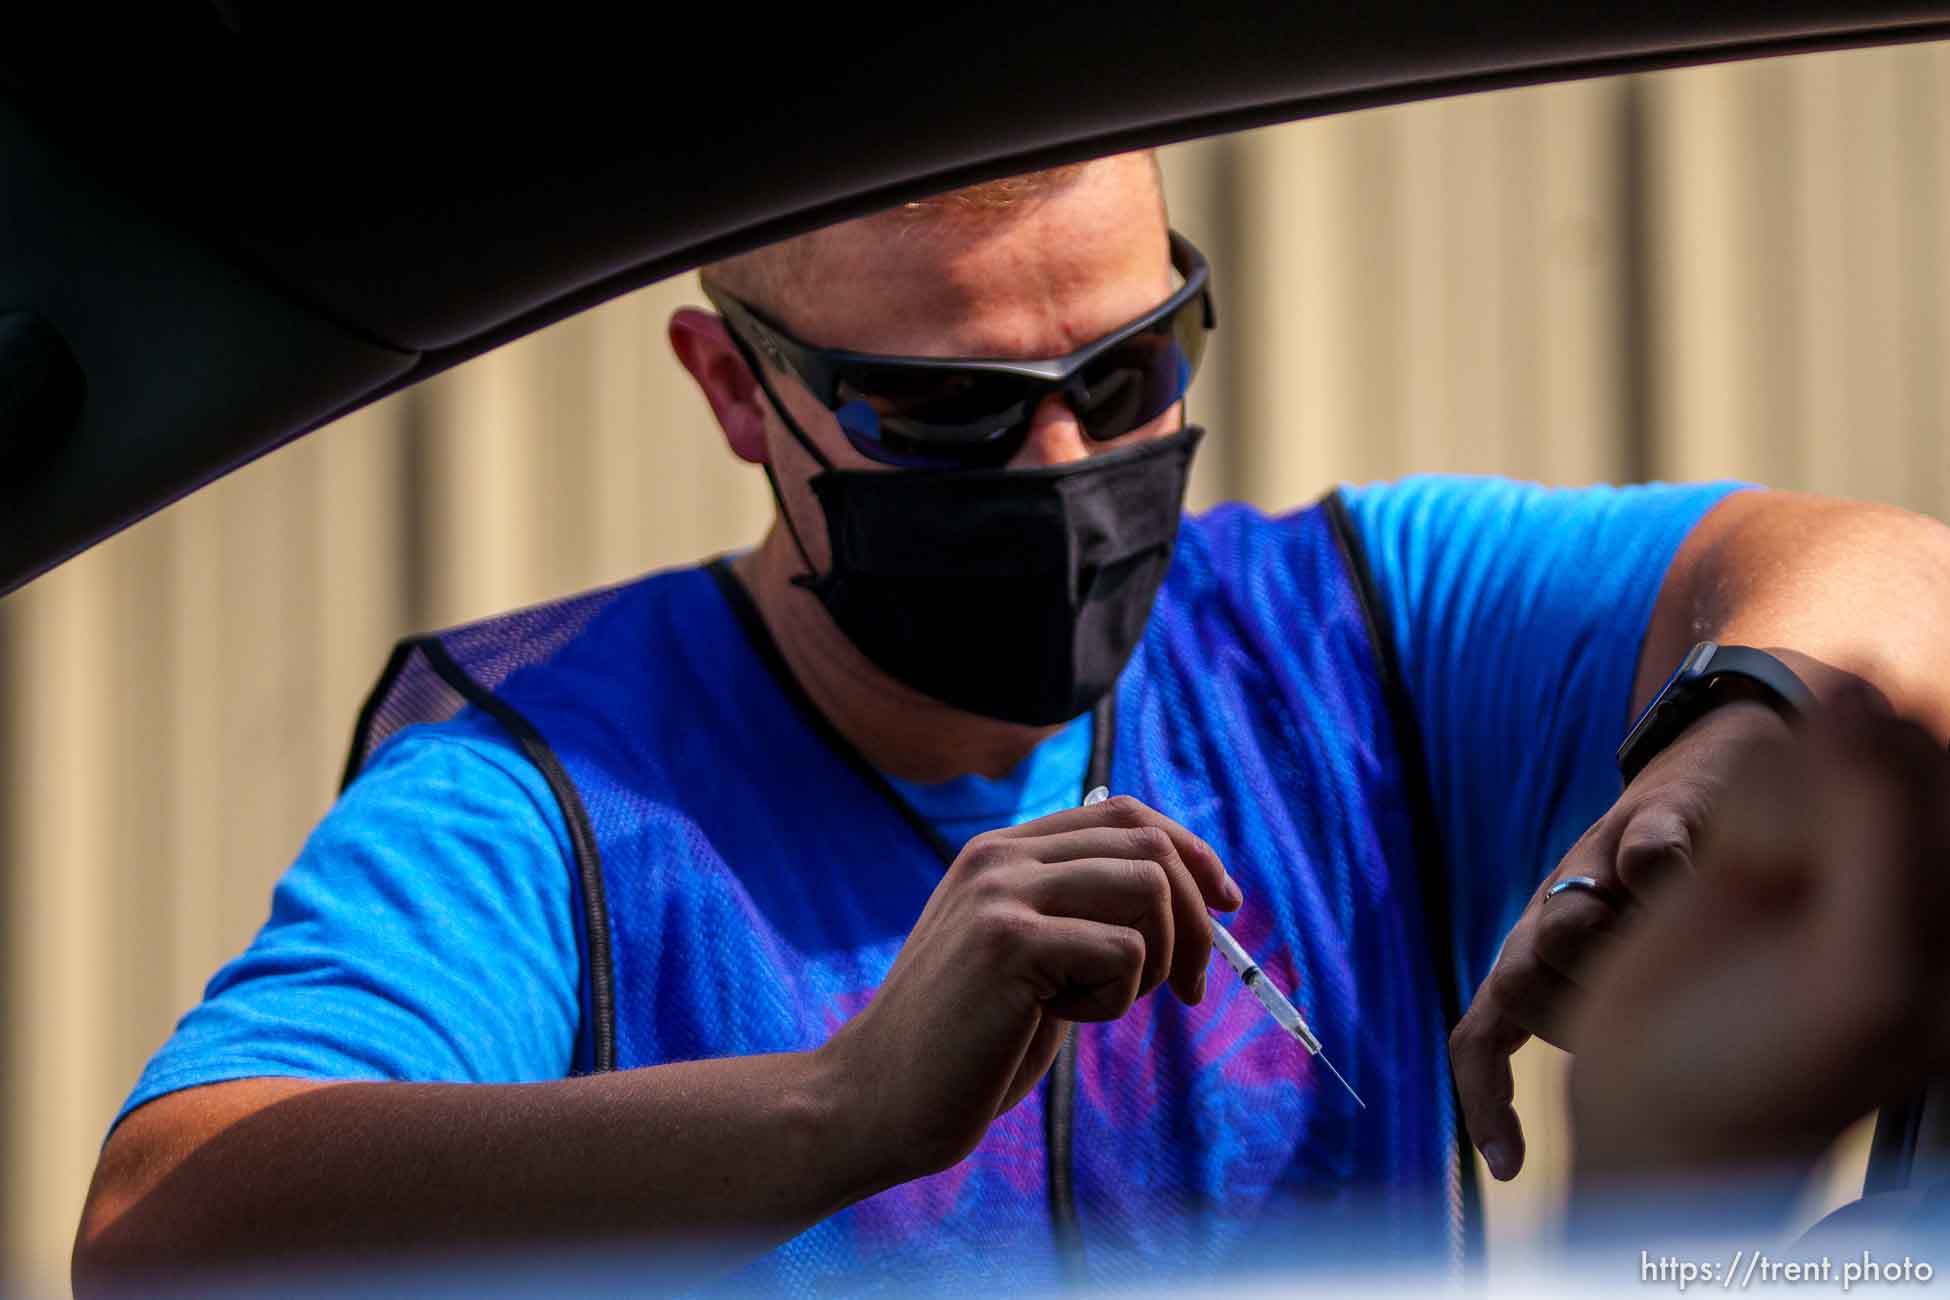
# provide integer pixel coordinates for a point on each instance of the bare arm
(751, 1149)
(1839, 588)
(1070, 917)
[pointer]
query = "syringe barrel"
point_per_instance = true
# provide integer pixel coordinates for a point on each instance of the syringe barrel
(1269, 996)
(1284, 1012)
(1229, 949)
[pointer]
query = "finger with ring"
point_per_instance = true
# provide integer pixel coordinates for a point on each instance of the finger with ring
(1582, 883)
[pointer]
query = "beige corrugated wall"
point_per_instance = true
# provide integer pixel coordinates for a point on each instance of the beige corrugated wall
(1739, 270)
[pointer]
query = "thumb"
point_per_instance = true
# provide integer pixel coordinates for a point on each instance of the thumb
(1036, 1062)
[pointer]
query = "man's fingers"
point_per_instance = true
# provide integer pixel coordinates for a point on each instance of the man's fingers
(1525, 994)
(1084, 970)
(1480, 1051)
(1093, 833)
(1191, 927)
(1122, 863)
(1572, 929)
(1135, 892)
(1146, 886)
(1036, 1061)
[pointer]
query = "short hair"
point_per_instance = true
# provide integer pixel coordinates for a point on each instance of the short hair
(768, 277)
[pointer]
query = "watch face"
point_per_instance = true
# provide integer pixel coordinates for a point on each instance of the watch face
(1694, 663)
(1689, 667)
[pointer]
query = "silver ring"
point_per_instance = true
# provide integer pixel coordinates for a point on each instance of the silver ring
(1585, 883)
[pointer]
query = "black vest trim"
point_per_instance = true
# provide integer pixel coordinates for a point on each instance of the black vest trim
(582, 836)
(1059, 1106)
(1059, 1102)
(355, 758)
(1432, 868)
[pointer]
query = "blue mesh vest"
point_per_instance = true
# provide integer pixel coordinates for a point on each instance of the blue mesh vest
(745, 886)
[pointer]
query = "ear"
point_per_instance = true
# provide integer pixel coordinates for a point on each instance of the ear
(703, 346)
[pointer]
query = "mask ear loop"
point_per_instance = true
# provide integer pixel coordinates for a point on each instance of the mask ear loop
(810, 578)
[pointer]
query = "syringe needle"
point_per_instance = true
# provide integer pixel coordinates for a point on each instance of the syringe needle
(1322, 1057)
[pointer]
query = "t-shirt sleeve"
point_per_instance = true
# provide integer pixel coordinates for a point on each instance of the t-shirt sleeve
(1517, 613)
(426, 932)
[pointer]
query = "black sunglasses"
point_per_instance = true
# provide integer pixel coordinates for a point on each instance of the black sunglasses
(961, 412)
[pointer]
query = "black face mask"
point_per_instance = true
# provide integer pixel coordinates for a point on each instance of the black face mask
(1018, 594)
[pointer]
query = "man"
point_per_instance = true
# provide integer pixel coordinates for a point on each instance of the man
(755, 904)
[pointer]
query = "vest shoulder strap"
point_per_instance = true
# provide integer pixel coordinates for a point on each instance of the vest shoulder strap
(1433, 872)
(431, 678)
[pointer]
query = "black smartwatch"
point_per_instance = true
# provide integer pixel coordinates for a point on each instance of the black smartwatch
(1710, 675)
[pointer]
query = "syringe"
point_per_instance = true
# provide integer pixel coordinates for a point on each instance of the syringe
(1255, 979)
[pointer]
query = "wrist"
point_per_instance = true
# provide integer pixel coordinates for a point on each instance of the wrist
(854, 1149)
(1710, 679)
(816, 1143)
(1732, 723)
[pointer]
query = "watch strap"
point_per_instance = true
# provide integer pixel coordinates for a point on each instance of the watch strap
(1711, 675)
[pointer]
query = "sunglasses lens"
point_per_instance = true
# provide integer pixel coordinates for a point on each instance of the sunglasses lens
(942, 417)
(860, 421)
(1138, 380)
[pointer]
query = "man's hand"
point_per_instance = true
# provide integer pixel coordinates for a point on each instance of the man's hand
(1070, 917)
(1796, 982)
(1646, 842)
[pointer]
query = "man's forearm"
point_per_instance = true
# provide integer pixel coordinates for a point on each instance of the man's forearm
(749, 1150)
(1860, 590)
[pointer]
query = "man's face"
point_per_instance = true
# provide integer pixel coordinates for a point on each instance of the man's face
(1041, 280)
(1062, 268)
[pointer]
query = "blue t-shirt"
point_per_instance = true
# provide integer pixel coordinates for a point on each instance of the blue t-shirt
(427, 930)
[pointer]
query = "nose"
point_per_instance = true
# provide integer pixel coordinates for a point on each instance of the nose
(1055, 437)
